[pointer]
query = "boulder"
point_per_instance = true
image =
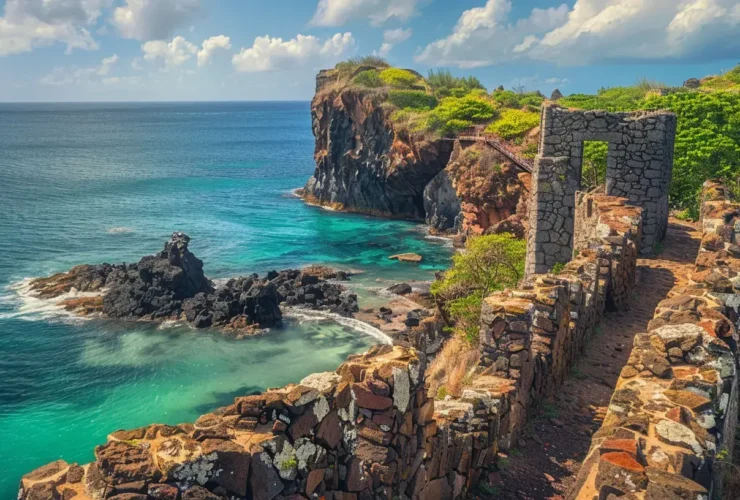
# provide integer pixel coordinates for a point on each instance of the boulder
(407, 257)
(401, 289)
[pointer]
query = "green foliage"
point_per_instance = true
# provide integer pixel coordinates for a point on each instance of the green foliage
(368, 78)
(444, 84)
(726, 81)
(557, 268)
(609, 99)
(468, 108)
(514, 122)
(414, 99)
(594, 163)
(398, 78)
(442, 393)
(346, 68)
(489, 263)
(707, 141)
(515, 100)
(530, 150)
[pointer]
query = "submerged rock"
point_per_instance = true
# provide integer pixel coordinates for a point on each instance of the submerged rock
(407, 257)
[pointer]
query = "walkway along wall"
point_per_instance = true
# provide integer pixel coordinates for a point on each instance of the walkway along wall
(639, 166)
(669, 430)
(369, 430)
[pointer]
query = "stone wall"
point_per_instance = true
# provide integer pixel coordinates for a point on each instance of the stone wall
(532, 336)
(639, 166)
(670, 426)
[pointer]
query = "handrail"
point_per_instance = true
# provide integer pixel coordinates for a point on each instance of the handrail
(478, 137)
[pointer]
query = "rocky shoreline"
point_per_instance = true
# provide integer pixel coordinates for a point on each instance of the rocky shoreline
(171, 285)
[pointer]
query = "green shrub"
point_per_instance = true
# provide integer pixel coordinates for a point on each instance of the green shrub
(506, 98)
(611, 99)
(453, 127)
(474, 109)
(398, 78)
(368, 78)
(489, 263)
(415, 99)
(346, 68)
(532, 99)
(594, 163)
(707, 141)
(514, 122)
(445, 85)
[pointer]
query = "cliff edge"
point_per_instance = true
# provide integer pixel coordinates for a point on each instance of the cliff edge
(363, 163)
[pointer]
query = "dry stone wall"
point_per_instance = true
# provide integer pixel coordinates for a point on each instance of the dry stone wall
(670, 426)
(639, 166)
(531, 337)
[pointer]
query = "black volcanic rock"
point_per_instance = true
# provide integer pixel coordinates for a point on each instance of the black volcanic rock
(172, 285)
(157, 284)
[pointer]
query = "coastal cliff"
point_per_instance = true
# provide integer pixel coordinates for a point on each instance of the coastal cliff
(363, 163)
(386, 145)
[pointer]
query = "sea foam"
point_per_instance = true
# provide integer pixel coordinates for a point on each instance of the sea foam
(302, 315)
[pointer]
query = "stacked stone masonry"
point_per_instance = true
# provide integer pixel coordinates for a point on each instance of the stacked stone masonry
(639, 166)
(531, 337)
(670, 426)
(369, 430)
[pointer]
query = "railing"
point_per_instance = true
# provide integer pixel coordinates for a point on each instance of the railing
(478, 134)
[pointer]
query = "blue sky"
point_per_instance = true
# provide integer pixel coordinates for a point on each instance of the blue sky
(123, 50)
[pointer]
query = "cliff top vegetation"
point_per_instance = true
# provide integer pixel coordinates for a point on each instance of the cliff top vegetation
(441, 104)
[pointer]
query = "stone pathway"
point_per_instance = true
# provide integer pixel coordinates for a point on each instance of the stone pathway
(545, 464)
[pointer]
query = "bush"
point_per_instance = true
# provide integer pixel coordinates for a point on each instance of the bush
(469, 108)
(514, 122)
(489, 263)
(415, 99)
(443, 83)
(346, 68)
(398, 78)
(707, 141)
(506, 98)
(369, 78)
(594, 163)
(611, 99)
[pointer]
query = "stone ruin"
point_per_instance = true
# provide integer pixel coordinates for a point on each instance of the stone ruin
(639, 166)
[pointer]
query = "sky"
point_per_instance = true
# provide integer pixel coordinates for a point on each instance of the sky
(223, 50)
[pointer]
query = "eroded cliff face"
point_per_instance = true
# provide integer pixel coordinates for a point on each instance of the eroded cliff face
(365, 165)
(479, 192)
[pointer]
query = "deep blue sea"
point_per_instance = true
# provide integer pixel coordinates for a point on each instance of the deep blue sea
(90, 183)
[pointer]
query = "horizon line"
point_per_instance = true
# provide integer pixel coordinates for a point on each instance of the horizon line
(157, 102)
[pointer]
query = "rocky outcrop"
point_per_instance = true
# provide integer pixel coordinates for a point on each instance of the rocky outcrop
(365, 165)
(480, 191)
(171, 285)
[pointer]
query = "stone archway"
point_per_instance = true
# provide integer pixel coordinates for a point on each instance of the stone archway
(639, 167)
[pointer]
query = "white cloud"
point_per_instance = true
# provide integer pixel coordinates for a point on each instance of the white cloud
(210, 46)
(483, 36)
(172, 54)
(593, 31)
(272, 54)
(393, 37)
(340, 12)
(154, 19)
(27, 24)
(68, 76)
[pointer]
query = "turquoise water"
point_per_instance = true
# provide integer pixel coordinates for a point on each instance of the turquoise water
(87, 183)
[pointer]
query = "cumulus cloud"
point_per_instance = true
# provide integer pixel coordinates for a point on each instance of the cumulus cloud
(171, 54)
(210, 46)
(340, 12)
(272, 54)
(154, 19)
(68, 76)
(27, 24)
(393, 37)
(593, 31)
(483, 35)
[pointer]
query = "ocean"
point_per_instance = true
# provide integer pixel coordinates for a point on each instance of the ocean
(91, 183)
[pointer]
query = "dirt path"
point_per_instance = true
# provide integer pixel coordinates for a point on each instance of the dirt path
(545, 463)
